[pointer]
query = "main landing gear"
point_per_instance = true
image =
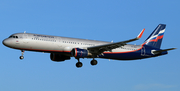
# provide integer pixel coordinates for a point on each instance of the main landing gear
(94, 62)
(22, 53)
(79, 64)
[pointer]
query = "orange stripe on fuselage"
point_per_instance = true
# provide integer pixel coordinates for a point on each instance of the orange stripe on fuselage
(41, 50)
(123, 52)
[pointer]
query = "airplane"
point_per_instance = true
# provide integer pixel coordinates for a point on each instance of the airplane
(63, 48)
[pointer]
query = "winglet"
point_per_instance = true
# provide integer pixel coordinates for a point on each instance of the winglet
(140, 34)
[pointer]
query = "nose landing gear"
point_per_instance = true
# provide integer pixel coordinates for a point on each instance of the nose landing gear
(22, 53)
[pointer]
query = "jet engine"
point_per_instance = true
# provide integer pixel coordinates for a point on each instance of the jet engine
(79, 53)
(59, 57)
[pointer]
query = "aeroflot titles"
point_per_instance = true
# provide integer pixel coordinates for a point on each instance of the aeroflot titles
(43, 36)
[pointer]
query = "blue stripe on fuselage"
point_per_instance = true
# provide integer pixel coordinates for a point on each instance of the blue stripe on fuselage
(123, 56)
(144, 52)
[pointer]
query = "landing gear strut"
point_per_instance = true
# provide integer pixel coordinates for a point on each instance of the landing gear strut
(22, 53)
(78, 64)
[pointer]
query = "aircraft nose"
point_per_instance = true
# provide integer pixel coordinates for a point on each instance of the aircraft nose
(6, 42)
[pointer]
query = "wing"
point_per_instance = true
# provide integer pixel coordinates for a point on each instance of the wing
(96, 50)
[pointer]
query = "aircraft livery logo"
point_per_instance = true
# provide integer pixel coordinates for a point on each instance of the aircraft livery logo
(155, 38)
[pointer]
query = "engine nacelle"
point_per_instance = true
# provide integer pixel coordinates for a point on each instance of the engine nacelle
(79, 53)
(59, 57)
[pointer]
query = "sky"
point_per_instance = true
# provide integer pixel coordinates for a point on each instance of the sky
(105, 20)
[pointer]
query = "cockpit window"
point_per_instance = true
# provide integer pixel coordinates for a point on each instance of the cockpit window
(14, 37)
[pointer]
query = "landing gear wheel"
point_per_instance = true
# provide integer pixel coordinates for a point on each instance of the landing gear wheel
(21, 57)
(79, 64)
(94, 62)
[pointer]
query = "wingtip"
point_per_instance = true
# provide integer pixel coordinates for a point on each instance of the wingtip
(173, 48)
(140, 34)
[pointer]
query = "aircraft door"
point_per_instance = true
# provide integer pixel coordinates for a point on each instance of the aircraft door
(59, 42)
(143, 51)
(25, 38)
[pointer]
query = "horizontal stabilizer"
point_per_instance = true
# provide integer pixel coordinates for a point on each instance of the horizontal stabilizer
(160, 51)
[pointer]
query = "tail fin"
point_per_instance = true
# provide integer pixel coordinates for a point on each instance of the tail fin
(156, 36)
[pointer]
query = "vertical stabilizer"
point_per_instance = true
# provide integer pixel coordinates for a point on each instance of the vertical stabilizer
(155, 39)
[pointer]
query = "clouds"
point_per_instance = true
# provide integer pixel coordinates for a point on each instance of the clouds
(153, 86)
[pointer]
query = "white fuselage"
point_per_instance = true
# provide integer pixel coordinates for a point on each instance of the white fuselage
(46, 43)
